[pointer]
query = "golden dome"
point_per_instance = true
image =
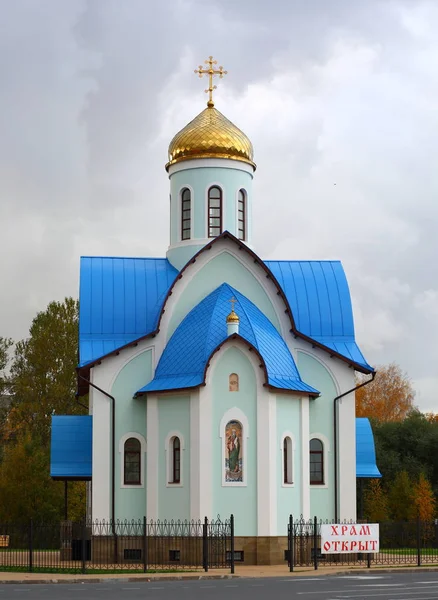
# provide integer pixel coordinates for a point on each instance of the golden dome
(232, 317)
(210, 135)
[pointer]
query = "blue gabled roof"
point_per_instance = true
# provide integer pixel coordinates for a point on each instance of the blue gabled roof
(71, 447)
(120, 300)
(185, 357)
(365, 450)
(318, 294)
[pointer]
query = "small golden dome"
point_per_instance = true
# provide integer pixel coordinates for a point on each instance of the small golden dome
(210, 135)
(232, 317)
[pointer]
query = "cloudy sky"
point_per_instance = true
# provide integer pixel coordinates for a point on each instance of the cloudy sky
(340, 99)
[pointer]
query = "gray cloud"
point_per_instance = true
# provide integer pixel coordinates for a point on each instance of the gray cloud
(330, 93)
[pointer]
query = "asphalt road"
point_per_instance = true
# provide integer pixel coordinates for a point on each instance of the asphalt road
(397, 586)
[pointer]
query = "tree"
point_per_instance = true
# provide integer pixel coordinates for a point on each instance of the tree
(26, 490)
(401, 498)
(389, 397)
(376, 502)
(43, 370)
(424, 499)
(5, 344)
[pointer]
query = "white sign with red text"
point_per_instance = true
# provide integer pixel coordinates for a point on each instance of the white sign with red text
(347, 538)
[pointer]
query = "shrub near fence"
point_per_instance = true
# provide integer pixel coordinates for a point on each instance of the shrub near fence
(412, 543)
(120, 546)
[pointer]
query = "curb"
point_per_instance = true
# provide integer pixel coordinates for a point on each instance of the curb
(200, 577)
(145, 579)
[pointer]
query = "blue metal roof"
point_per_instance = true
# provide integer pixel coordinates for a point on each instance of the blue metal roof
(71, 447)
(120, 300)
(184, 359)
(319, 298)
(365, 450)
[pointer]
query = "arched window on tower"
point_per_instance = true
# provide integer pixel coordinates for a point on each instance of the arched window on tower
(214, 211)
(132, 462)
(186, 214)
(287, 460)
(316, 462)
(241, 215)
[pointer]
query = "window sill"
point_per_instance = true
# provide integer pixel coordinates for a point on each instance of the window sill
(174, 485)
(288, 485)
(132, 486)
(319, 486)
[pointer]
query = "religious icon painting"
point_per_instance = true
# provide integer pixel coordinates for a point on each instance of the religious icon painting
(234, 382)
(233, 452)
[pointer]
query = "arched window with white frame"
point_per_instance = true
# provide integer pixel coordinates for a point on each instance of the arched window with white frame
(214, 211)
(174, 447)
(287, 460)
(132, 449)
(186, 214)
(241, 215)
(132, 462)
(316, 462)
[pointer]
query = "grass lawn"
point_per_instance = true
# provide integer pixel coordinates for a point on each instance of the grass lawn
(410, 551)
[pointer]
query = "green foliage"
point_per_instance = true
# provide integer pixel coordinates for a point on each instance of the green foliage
(26, 489)
(5, 344)
(376, 502)
(43, 370)
(42, 383)
(401, 498)
(408, 445)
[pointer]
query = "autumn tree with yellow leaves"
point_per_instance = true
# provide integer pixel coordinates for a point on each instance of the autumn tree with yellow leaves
(390, 397)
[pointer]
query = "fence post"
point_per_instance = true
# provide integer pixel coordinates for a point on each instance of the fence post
(369, 560)
(315, 543)
(205, 545)
(83, 546)
(31, 546)
(145, 546)
(418, 541)
(232, 544)
(290, 543)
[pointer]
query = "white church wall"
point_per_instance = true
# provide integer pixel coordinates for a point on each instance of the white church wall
(288, 425)
(320, 427)
(101, 453)
(240, 499)
(131, 417)
(173, 419)
(344, 379)
(105, 376)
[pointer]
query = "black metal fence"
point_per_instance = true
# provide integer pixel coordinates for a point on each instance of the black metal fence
(410, 543)
(119, 546)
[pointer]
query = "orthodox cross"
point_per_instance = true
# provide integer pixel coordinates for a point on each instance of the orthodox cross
(211, 72)
(233, 301)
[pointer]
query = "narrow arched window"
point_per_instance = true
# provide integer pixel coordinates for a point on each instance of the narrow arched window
(241, 215)
(316, 462)
(287, 460)
(186, 214)
(214, 211)
(132, 462)
(176, 460)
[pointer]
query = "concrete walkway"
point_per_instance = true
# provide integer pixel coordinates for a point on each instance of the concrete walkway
(241, 572)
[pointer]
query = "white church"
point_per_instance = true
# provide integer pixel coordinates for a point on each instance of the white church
(219, 383)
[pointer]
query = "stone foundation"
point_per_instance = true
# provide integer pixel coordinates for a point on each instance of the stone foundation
(160, 550)
(188, 550)
(262, 550)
